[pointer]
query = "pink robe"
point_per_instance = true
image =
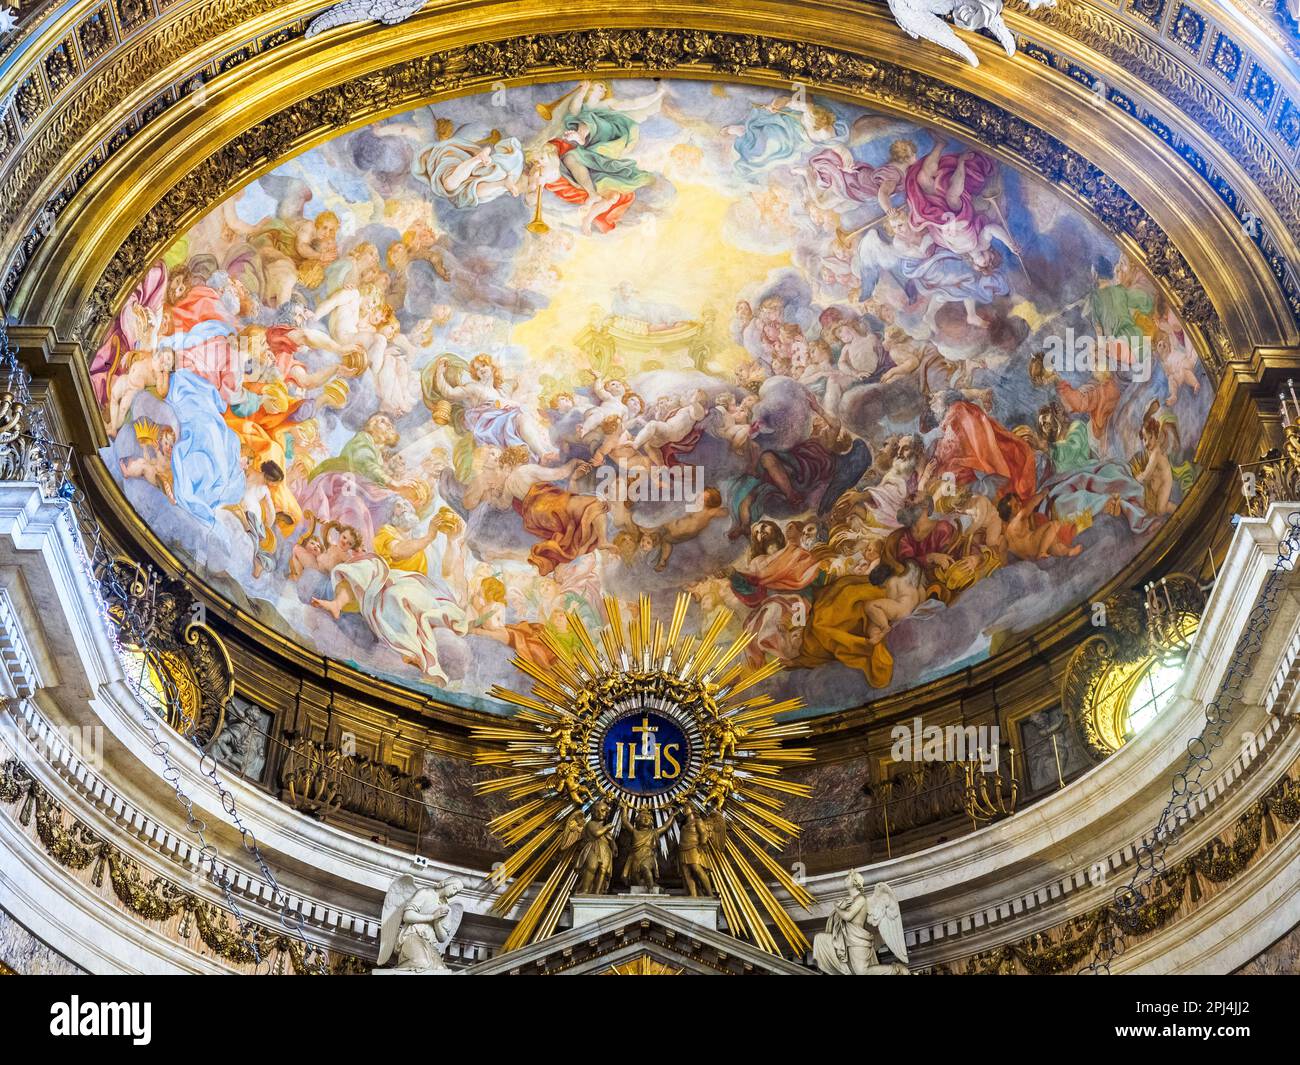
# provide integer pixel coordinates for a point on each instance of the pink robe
(110, 359)
(930, 211)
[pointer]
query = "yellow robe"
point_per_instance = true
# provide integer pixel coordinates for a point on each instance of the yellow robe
(836, 631)
(384, 539)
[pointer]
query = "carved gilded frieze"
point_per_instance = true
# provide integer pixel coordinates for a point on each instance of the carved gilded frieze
(156, 899)
(1178, 891)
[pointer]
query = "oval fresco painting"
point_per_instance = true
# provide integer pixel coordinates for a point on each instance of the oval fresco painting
(421, 391)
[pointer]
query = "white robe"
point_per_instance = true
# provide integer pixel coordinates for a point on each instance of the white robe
(404, 609)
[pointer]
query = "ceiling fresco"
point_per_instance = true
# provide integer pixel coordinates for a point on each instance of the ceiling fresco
(425, 389)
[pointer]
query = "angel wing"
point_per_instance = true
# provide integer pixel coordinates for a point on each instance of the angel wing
(389, 12)
(868, 128)
(290, 194)
(917, 18)
(717, 822)
(639, 108)
(571, 833)
(455, 911)
(883, 912)
(399, 894)
(873, 255)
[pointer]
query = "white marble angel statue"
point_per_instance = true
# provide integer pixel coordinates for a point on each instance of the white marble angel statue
(848, 946)
(389, 12)
(418, 923)
(924, 19)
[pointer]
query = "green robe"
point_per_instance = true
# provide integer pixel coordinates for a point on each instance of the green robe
(1074, 450)
(1113, 308)
(360, 455)
(607, 131)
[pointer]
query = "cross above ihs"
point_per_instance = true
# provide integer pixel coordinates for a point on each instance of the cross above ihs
(647, 731)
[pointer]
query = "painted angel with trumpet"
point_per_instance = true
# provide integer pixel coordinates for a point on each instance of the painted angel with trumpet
(418, 924)
(855, 927)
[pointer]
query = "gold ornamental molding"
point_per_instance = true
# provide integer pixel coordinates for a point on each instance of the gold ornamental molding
(268, 95)
(683, 52)
(253, 59)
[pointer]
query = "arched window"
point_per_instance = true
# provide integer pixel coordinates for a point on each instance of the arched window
(1151, 694)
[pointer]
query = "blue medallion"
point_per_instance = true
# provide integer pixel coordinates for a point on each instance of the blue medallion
(645, 753)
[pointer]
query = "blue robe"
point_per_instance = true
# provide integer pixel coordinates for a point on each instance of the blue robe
(206, 473)
(769, 138)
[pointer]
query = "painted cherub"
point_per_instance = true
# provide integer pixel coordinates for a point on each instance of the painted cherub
(734, 420)
(323, 546)
(1026, 536)
(1156, 475)
(664, 537)
(154, 464)
(148, 368)
(1175, 352)
(611, 395)
(904, 592)
(390, 356)
(820, 370)
(670, 428)
(616, 441)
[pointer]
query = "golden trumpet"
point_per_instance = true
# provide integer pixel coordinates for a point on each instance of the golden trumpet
(547, 111)
(537, 225)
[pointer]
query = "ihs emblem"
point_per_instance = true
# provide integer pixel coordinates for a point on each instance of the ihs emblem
(645, 737)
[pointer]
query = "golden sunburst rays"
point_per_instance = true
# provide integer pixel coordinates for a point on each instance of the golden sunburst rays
(643, 717)
(644, 965)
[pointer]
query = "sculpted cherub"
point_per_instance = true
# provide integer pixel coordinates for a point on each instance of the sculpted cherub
(568, 782)
(725, 733)
(721, 783)
(597, 850)
(562, 738)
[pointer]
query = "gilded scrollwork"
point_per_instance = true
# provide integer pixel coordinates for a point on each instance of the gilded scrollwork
(159, 899)
(161, 619)
(1275, 477)
(1104, 667)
